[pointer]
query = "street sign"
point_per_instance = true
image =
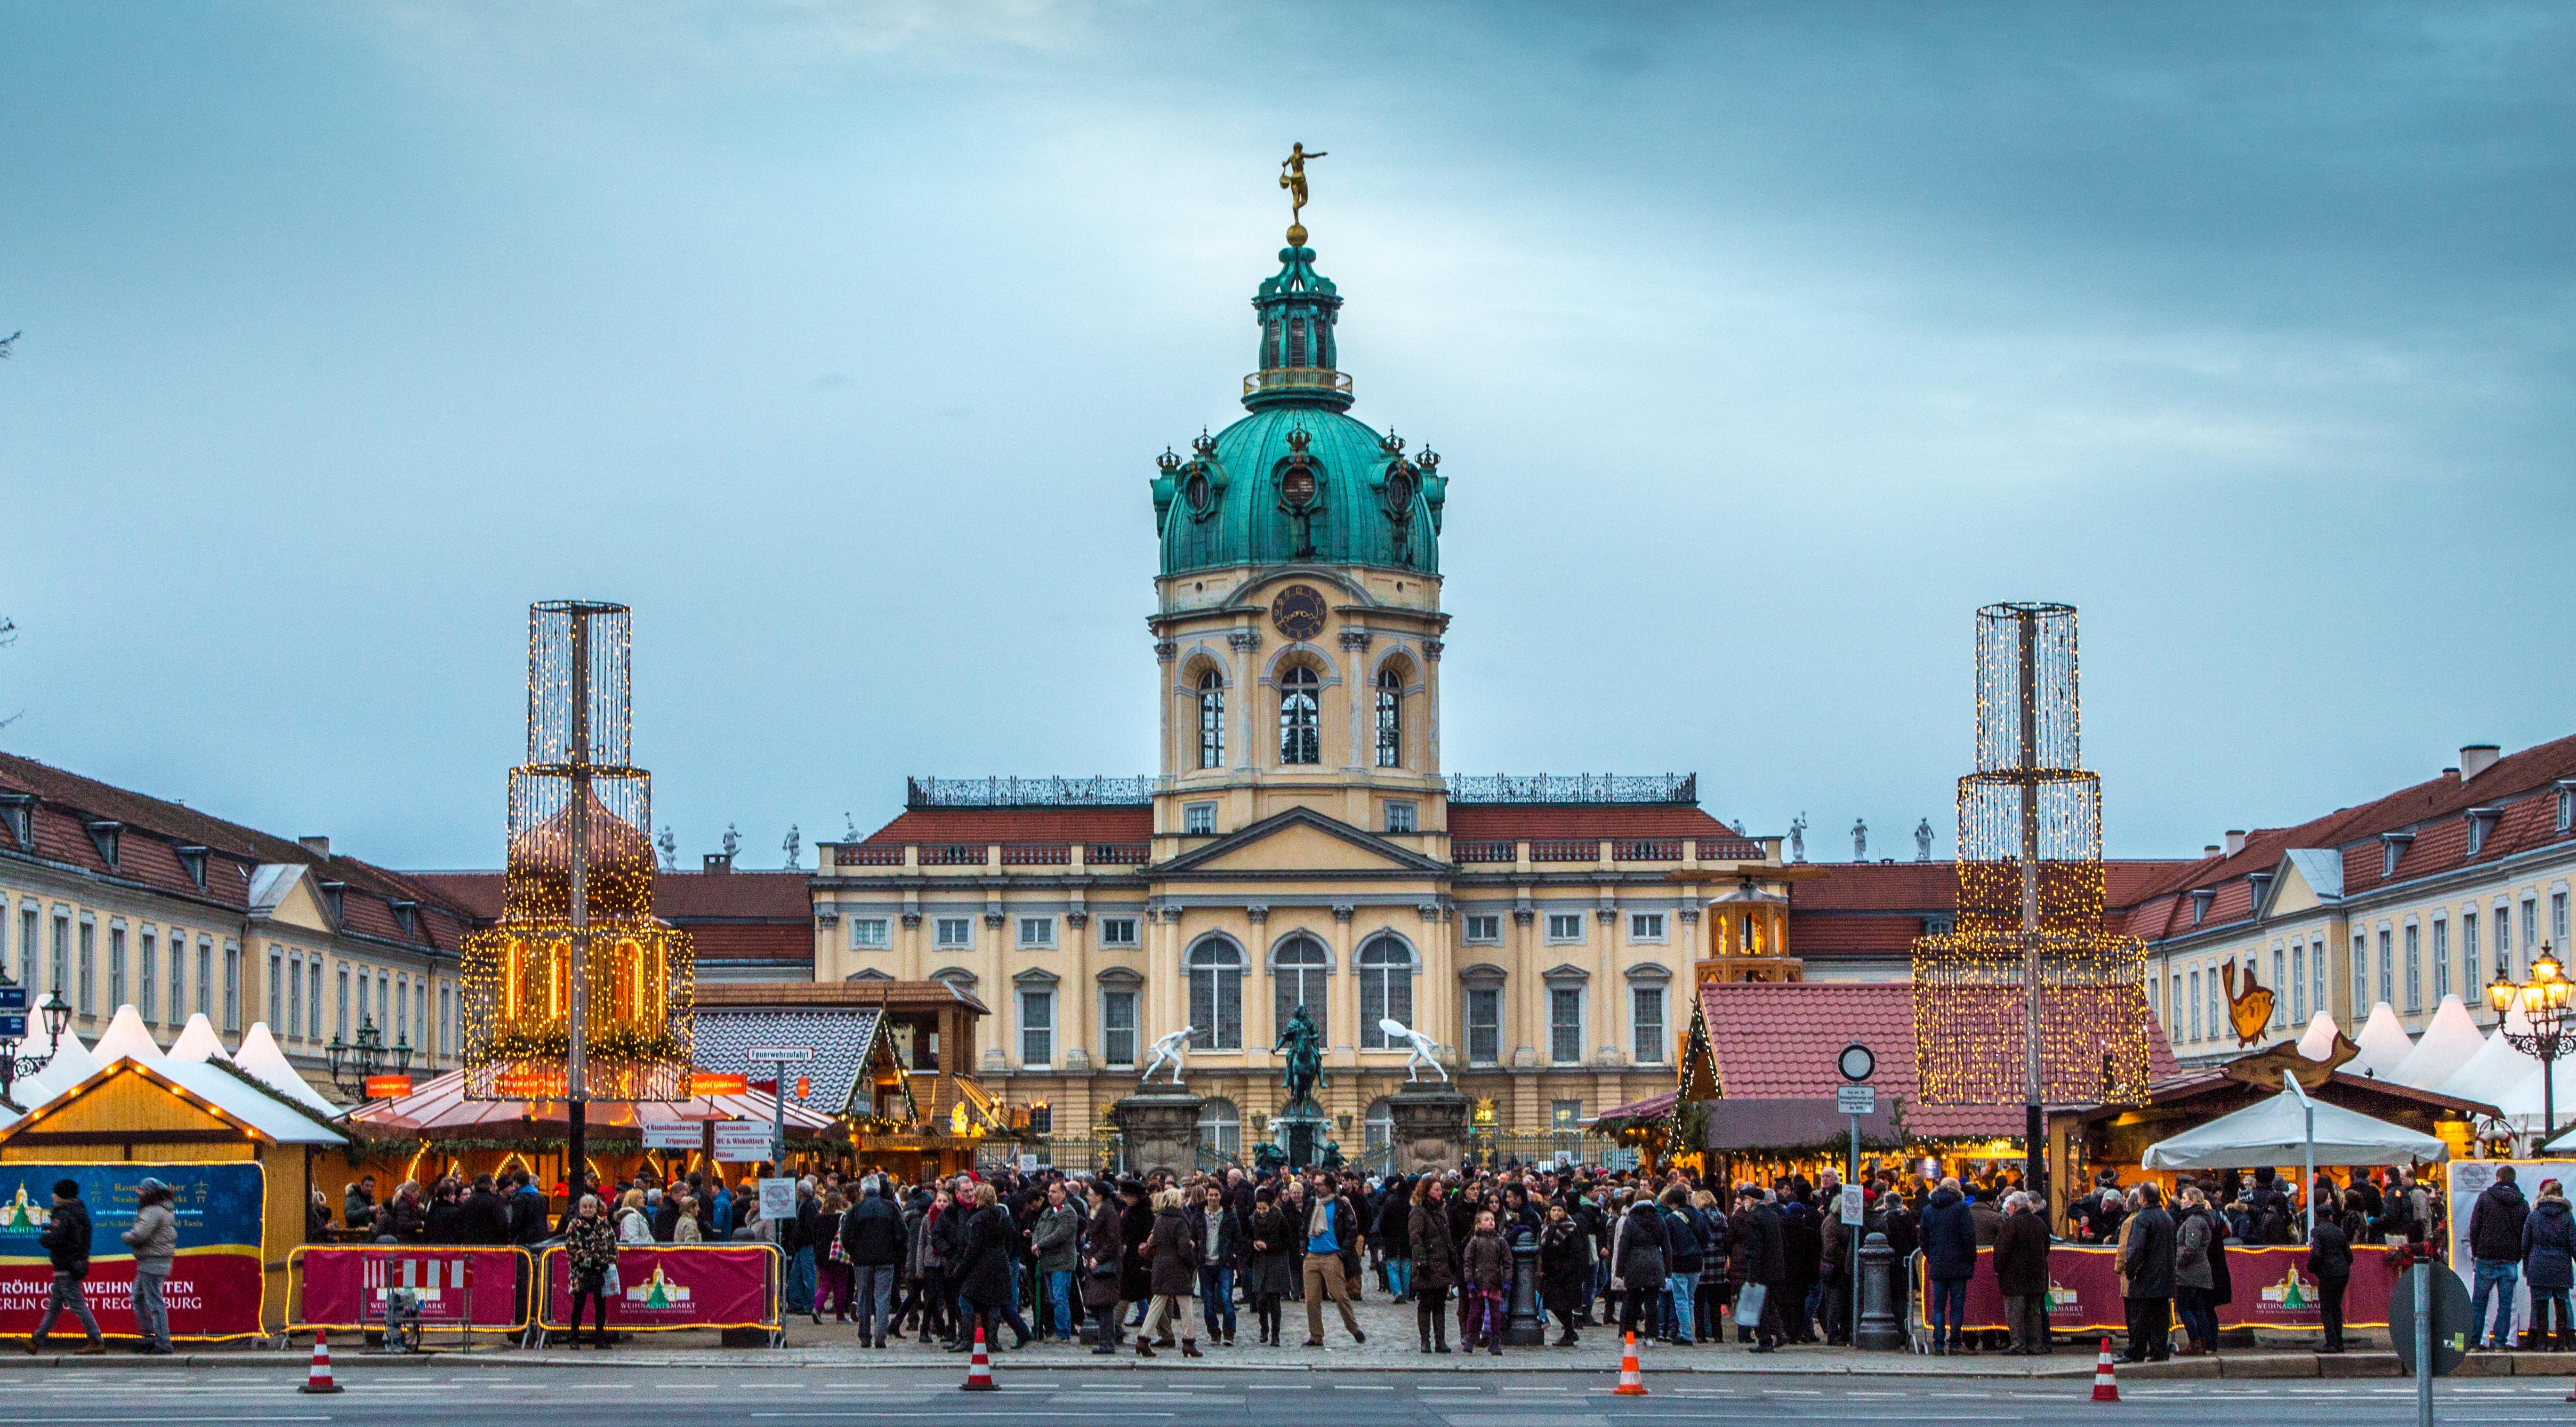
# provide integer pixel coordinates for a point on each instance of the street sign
(2450, 1321)
(1857, 1063)
(1855, 1212)
(13, 998)
(771, 1054)
(13, 1028)
(1855, 1100)
(674, 1134)
(387, 1087)
(703, 1083)
(742, 1141)
(778, 1200)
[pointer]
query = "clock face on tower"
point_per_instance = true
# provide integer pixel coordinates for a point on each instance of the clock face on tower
(1298, 612)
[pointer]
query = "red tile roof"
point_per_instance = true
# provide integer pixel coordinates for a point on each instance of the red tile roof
(1780, 1040)
(681, 898)
(1813, 934)
(752, 941)
(1496, 822)
(1877, 908)
(989, 825)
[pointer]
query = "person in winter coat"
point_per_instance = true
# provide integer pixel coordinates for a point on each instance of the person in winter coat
(1949, 1235)
(1435, 1261)
(1136, 1231)
(984, 1271)
(2021, 1273)
(1485, 1271)
(1708, 1309)
(872, 1244)
(1055, 1243)
(1803, 1240)
(590, 1241)
(2147, 1249)
(1331, 1231)
(2548, 1242)
(406, 1219)
(66, 1243)
(2495, 1245)
(2330, 1259)
(1988, 1216)
(1104, 1256)
(1222, 1250)
(1395, 1236)
(154, 1238)
(1682, 1249)
(1766, 1268)
(1173, 1254)
(1564, 1267)
(2196, 1239)
(1637, 1263)
(1269, 1271)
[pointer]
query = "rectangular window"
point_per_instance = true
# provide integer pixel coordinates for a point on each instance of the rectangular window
(2441, 960)
(2317, 972)
(1198, 819)
(232, 982)
(277, 984)
(1399, 817)
(402, 1007)
(27, 920)
(2280, 984)
(2155, 1003)
(2195, 1005)
(2504, 940)
(1646, 1020)
(89, 965)
(2217, 1003)
(58, 976)
(115, 967)
(1037, 932)
(1565, 926)
(2558, 920)
(2299, 982)
(1037, 1029)
(1118, 1028)
(1645, 926)
(1484, 1025)
(313, 999)
(1485, 926)
(2469, 976)
(147, 974)
(2387, 966)
(1565, 1116)
(340, 1016)
(2414, 968)
(206, 979)
(294, 1023)
(955, 931)
(2179, 1008)
(2360, 976)
(1118, 931)
(1565, 1025)
(871, 933)
(2530, 927)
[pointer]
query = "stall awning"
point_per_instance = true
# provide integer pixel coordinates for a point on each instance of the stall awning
(438, 1107)
(2275, 1132)
(1756, 1126)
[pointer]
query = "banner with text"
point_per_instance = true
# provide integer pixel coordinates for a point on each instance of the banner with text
(345, 1285)
(214, 1290)
(2272, 1289)
(672, 1286)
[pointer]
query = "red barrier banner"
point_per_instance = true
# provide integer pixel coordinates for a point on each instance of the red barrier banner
(212, 1295)
(673, 1286)
(215, 1287)
(344, 1285)
(2272, 1289)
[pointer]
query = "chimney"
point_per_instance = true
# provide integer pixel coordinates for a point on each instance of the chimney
(319, 844)
(2476, 758)
(718, 862)
(2235, 841)
(2209, 850)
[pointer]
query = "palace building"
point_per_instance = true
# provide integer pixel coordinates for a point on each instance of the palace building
(1301, 844)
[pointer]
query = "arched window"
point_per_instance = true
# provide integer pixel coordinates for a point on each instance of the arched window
(1216, 995)
(1298, 739)
(1211, 720)
(1390, 718)
(1386, 988)
(1221, 1128)
(1377, 1126)
(1297, 977)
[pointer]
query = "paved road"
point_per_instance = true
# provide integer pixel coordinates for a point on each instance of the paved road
(440, 1397)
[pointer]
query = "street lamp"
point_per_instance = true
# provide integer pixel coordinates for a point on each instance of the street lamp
(57, 1014)
(2543, 1000)
(353, 1064)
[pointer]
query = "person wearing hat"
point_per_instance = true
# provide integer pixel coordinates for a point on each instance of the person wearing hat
(66, 1241)
(155, 1241)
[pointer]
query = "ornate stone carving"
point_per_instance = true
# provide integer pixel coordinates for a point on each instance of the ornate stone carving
(1431, 650)
(1344, 911)
(1355, 639)
(1243, 641)
(1166, 650)
(1077, 918)
(1259, 912)
(1430, 911)
(912, 920)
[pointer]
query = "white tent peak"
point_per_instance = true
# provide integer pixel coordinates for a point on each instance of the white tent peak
(261, 1060)
(2318, 1041)
(2383, 1044)
(71, 1064)
(2449, 1041)
(127, 1038)
(198, 1042)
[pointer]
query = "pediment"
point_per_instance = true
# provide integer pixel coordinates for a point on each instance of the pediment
(1302, 840)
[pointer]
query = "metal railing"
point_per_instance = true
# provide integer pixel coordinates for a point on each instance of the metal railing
(1297, 379)
(1495, 1148)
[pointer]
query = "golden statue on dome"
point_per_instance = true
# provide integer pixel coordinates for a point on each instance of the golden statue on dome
(1292, 177)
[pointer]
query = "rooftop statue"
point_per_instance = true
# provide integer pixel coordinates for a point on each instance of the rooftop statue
(1425, 1050)
(1172, 1050)
(1292, 177)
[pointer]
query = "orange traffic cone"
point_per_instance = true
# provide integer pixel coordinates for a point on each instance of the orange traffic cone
(1632, 1383)
(979, 1368)
(318, 1377)
(2105, 1387)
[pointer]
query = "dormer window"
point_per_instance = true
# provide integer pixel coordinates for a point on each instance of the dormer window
(407, 916)
(2200, 900)
(2482, 825)
(2567, 805)
(2392, 850)
(106, 834)
(192, 860)
(2259, 884)
(334, 893)
(18, 812)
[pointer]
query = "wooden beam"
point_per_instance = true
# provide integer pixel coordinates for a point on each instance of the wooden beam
(128, 1138)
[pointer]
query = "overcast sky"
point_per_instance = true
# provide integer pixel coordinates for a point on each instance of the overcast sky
(1761, 343)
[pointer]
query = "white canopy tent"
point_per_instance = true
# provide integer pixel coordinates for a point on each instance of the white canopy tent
(126, 1037)
(261, 1060)
(2448, 1042)
(2383, 1043)
(2317, 1041)
(197, 1042)
(2291, 1127)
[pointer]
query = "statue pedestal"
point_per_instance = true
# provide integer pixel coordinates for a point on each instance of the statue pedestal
(1159, 1129)
(1300, 1129)
(1430, 1126)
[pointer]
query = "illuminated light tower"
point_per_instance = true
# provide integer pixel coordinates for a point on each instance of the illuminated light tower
(578, 994)
(2029, 997)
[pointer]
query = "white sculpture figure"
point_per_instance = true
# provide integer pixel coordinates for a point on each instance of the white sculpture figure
(1860, 840)
(1923, 841)
(1425, 1050)
(1171, 1050)
(794, 847)
(1798, 838)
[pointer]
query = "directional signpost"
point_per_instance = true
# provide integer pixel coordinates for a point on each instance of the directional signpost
(779, 1057)
(1857, 1064)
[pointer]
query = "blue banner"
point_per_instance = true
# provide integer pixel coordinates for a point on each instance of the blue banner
(219, 1206)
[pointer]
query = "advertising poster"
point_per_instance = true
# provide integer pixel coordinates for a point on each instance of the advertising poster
(2466, 1179)
(344, 1286)
(214, 1291)
(2273, 1289)
(676, 1286)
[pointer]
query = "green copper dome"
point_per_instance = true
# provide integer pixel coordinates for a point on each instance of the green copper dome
(1297, 480)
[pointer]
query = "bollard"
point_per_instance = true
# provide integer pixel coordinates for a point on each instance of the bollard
(1878, 1328)
(1524, 1325)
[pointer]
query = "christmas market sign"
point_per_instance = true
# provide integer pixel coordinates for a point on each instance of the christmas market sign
(215, 1288)
(2273, 1290)
(344, 1286)
(673, 1286)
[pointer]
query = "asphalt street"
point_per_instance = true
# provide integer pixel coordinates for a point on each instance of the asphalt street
(108, 1397)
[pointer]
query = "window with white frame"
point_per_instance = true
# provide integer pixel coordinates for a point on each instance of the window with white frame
(1118, 1026)
(1215, 969)
(340, 1017)
(2530, 927)
(2414, 967)
(2558, 920)
(2178, 1010)
(147, 973)
(1645, 926)
(1484, 1025)
(2217, 1003)
(1646, 1019)
(2469, 953)
(88, 965)
(2317, 972)
(2387, 965)
(1297, 978)
(1300, 728)
(1385, 967)
(1037, 1027)
(1221, 1127)
(2299, 982)
(313, 998)
(1400, 817)
(277, 983)
(1037, 932)
(2503, 940)
(2195, 1005)
(2360, 975)
(232, 982)
(1118, 931)
(29, 918)
(1484, 926)
(1211, 720)
(954, 931)
(2441, 959)
(446, 1020)
(2155, 1003)
(1198, 819)
(1565, 1025)
(1390, 718)
(2280, 975)
(871, 933)
(115, 967)
(1564, 926)
(206, 978)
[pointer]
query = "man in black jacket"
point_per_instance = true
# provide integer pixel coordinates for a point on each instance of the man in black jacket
(483, 1219)
(2147, 1278)
(66, 1242)
(2021, 1272)
(872, 1241)
(2495, 1242)
(1766, 1265)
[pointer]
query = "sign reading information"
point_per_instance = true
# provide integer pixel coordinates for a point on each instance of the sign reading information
(214, 1289)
